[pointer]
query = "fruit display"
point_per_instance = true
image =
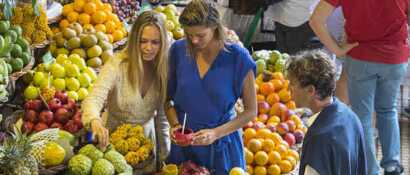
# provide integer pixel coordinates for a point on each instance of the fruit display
(92, 161)
(271, 60)
(93, 14)
(92, 46)
(170, 15)
(60, 112)
(14, 49)
(189, 167)
(35, 28)
(4, 80)
(272, 135)
(237, 171)
(130, 141)
(127, 10)
(67, 73)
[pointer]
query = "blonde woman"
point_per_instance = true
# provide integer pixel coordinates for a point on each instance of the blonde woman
(207, 76)
(132, 86)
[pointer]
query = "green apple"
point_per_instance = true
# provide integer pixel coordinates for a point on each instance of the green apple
(46, 82)
(72, 84)
(82, 93)
(72, 95)
(59, 84)
(71, 70)
(84, 79)
(90, 71)
(31, 92)
(38, 76)
(77, 60)
(61, 58)
(57, 70)
(90, 88)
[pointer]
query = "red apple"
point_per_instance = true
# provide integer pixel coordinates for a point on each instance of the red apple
(40, 126)
(263, 118)
(62, 115)
(28, 127)
(35, 105)
(31, 116)
(271, 127)
(285, 114)
(70, 104)
(282, 128)
(292, 125)
(54, 104)
(77, 119)
(258, 125)
(71, 127)
(62, 96)
(248, 125)
(263, 107)
(46, 117)
(56, 125)
(299, 135)
(290, 138)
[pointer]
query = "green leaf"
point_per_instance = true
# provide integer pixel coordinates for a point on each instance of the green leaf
(47, 58)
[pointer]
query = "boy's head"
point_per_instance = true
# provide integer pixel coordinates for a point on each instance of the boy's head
(312, 77)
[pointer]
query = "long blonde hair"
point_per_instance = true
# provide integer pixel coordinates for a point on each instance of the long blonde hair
(202, 13)
(134, 56)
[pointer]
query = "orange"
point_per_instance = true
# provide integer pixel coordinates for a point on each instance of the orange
(249, 169)
(110, 38)
(294, 154)
(98, 3)
(64, 23)
(267, 88)
(285, 166)
(72, 16)
(249, 133)
(268, 145)
(88, 27)
(107, 7)
(78, 5)
(291, 160)
(254, 145)
(274, 119)
(278, 76)
(261, 158)
(118, 35)
(90, 8)
(284, 95)
(277, 83)
(291, 104)
(259, 170)
(281, 149)
(68, 8)
(272, 98)
(110, 26)
(99, 17)
(274, 170)
(263, 133)
(100, 27)
(286, 84)
(84, 18)
(248, 156)
(260, 97)
(277, 109)
(274, 157)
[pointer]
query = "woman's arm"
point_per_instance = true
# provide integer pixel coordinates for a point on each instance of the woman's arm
(162, 134)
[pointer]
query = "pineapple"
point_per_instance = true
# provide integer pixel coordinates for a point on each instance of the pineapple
(15, 157)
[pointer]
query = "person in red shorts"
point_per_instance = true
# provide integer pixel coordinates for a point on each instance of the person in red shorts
(376, 61)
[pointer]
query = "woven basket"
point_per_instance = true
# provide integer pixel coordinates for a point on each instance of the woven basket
(40, 45)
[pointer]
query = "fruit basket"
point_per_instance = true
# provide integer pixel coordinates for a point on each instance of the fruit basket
(52, 170)
(40, 45)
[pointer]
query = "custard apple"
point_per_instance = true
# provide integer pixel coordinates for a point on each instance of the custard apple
(92, 152)
(80, 165)
(117, 160)
(103, 167)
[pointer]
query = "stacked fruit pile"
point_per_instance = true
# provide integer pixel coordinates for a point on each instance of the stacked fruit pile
(131, 142)
(271, 60)
(125, 9)
(170, 15)
(60, 112)
(13, 47)
(66, 74)
(271, 135)
(93, 14)
(35, 28)
(4, 79)
(90, 160)
(92, 46)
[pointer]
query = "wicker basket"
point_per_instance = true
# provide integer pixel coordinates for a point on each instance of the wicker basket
(52, 170)
(40, 45)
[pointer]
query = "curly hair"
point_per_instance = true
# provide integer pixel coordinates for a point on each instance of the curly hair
(314, 68)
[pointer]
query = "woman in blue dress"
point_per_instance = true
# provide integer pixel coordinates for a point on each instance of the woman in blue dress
(207, 76)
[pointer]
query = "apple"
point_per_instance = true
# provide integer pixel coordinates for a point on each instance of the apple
(263, 107)
(185, 137)
(54, 104)
(77, 119)
(277, 109)
(40, 126)
(62, 115)
(292, 125)
(31, 116)
(70, 104)
(46, 117)
(282, 128)
(299, 135)
(258, 125)
(263, 118)
(62, 96)
(271, 127)
(285, 114)
(34, 105)
(290, 138)
(71, 127)
(28, 127)
(56, 125)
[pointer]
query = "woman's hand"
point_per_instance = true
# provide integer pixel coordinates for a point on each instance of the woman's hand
(205, 137)
(101, 133)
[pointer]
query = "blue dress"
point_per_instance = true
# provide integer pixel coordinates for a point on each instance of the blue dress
(209, 103)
